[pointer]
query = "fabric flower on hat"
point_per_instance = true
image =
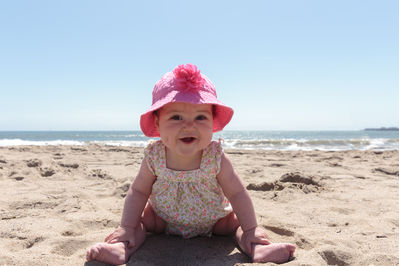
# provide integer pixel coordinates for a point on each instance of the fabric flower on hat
(188, 77)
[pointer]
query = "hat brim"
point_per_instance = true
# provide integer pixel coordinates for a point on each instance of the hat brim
(221, 117)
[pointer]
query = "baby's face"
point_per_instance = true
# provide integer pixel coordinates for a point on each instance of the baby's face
(185, 128)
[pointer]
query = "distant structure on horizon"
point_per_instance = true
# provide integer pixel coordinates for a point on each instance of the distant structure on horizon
(383, 129)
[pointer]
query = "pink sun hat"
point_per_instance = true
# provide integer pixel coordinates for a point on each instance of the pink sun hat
(185, 84)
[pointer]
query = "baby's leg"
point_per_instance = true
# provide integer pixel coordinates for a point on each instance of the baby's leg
(116, 253)
(119, 253)
(152, 222)
(274, 252)
(227, 225)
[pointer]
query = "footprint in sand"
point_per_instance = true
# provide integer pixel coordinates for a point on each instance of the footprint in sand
(279, 230)
(335, 256)
(387, 171)
(293, 180)
(265, 186)
(46, 172)
(296, 180)
(100, 174)
(296, 177)
(23, 242)
(69, 165)
(302, 242)
(122, 190)
(33, 163)
(69, 247)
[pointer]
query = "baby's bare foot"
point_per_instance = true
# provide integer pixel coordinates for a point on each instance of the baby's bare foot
(109, 253)
(275, 252)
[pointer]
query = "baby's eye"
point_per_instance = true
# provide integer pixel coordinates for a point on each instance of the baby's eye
(201, 117)
(176, 117)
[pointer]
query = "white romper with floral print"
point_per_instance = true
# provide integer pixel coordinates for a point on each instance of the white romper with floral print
(192, 201)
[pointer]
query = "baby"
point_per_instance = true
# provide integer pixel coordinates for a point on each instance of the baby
(186, 185)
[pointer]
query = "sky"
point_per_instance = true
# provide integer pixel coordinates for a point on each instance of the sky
(281, 65)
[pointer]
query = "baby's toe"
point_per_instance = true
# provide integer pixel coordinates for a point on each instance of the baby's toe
(291, 249)
(92, 253)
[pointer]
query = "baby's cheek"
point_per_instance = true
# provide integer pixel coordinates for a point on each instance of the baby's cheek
(165, 141)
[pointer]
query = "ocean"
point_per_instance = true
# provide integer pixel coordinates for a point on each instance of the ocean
(266, 140)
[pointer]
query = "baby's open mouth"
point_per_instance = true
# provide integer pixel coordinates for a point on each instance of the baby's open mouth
(188, 139)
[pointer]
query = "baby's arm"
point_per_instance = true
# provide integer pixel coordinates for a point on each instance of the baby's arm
(242, 204)
(135, 202)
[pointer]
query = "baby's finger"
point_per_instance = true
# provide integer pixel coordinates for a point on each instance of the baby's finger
(263, 241)
(109, 237)
(112, 237)
(113, 241)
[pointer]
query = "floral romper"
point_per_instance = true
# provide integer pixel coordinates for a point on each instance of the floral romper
(191, 201)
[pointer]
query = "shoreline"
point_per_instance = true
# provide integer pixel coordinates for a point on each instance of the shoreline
(265, 140)
(333, 205)
(226, 148)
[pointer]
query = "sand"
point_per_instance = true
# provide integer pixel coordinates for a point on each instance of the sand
(338, 208)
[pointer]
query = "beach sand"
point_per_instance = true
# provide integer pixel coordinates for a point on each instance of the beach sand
(338, 208)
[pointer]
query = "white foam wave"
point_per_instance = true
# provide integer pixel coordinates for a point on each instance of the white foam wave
(314, 144)
(20, 142)
(124, 143)
(264, 144)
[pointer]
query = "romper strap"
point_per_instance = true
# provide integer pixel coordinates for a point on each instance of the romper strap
(150, 155)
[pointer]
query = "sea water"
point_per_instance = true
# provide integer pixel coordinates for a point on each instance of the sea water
(265, 140)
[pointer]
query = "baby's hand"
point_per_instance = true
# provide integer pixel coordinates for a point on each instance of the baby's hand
(122, 234)
(254, 235)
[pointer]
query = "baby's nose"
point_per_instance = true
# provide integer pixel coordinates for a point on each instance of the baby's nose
(189, 124)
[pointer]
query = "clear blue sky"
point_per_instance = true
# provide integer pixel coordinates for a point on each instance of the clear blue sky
(282, 65)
